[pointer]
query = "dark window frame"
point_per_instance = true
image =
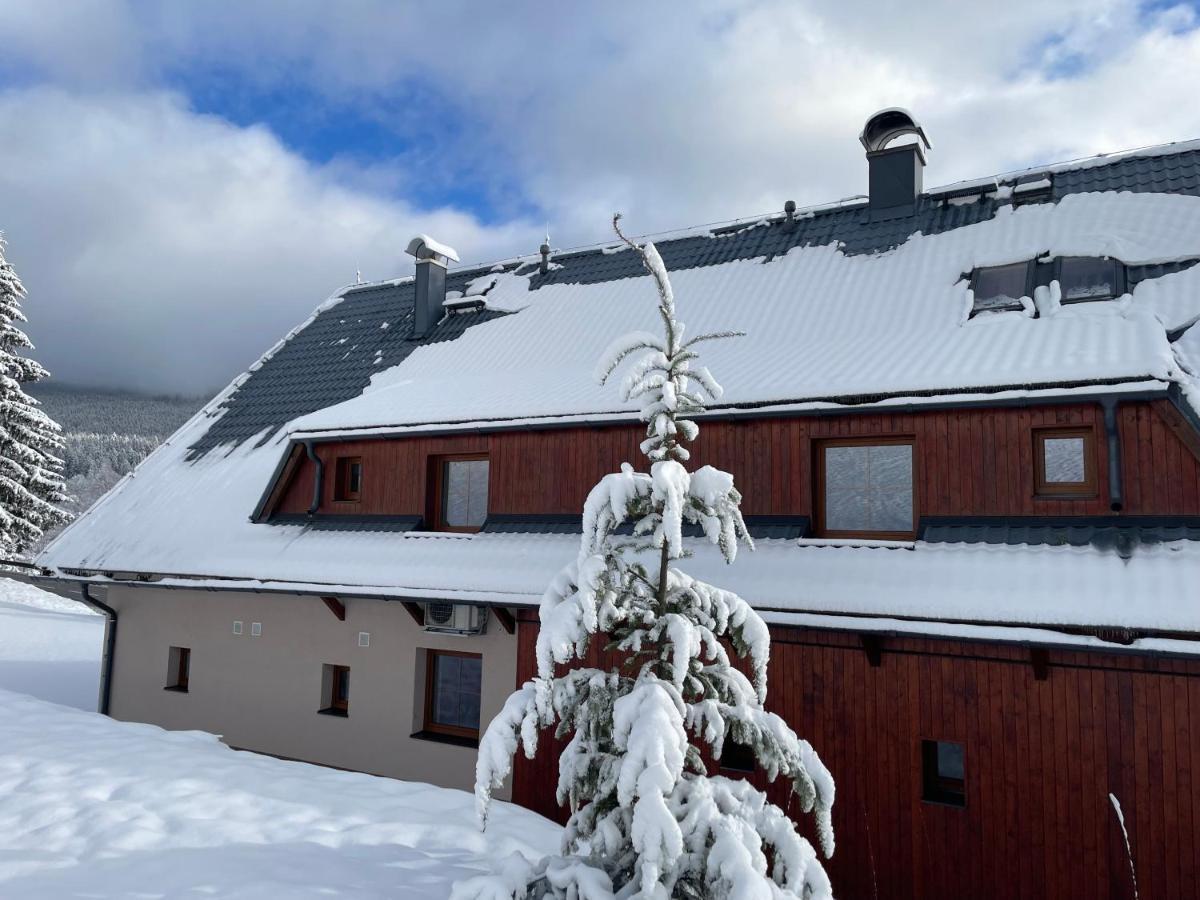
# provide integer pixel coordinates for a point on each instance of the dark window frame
(737, 758)
(1065, 490)
(437, 500)
(179, 669)
(935, 787)
(1030, 284)
(428, 723)
(344, 489)
(1119, 279)
(335, 704)
(819, 486)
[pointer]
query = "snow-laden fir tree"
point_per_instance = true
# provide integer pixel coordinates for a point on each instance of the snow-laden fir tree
(647, 820)
(31, 480)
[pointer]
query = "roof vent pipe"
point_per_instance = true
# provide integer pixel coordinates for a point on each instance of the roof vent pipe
(544, 265)
(430, 285)
(895, 173)
(789, 212)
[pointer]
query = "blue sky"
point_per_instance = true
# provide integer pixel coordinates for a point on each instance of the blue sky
(182, 183)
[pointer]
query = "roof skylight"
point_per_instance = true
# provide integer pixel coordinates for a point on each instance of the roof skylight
(1000, 288)
(1083, 278)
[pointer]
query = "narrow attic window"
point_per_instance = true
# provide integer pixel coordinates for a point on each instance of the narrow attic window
(348, 478)
(865, 488)
(1065, 462)
(1083, 278)
(943, 773)
(461, 492)
(1000, 288)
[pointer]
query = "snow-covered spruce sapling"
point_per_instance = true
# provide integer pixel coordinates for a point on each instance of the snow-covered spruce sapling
(31, 479)
(647, 821)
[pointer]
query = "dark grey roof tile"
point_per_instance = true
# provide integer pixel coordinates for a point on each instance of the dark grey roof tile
(333, 358)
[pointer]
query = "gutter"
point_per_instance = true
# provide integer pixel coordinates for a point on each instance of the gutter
(110, 644)
(318, 482)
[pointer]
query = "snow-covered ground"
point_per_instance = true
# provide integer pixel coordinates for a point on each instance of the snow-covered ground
(49, 647)
(91, 807)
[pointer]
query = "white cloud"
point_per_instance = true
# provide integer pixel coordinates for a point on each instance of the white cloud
(675, 113)
(165, 250)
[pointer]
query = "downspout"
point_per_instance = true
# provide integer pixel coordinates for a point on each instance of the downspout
(1115, 489)
(319, 481)
(110, 644)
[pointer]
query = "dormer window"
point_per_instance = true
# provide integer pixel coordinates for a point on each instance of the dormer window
(460, 492)
(1083, 278)
(1000, 288)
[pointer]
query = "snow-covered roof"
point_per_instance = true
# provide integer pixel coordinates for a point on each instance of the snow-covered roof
(839, 306)
(1149, 590)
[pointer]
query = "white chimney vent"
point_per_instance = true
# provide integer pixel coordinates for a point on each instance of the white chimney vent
(425, 247)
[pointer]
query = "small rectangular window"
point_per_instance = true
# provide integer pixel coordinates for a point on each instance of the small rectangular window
(1083, 278)
(452, 693)
(737, 757)
(462, 493)
(1064, 460)
(865, 488)
(335, 690)
(943, 773)
(179, 666)
(1000, 288)
(348, 478)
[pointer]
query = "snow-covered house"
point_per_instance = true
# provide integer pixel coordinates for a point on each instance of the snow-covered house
(966, 422)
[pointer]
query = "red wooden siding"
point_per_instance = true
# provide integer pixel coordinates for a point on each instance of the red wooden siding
(968, 462)
(1041, 759)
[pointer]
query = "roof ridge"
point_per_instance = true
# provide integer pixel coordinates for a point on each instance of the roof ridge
(1097, 160)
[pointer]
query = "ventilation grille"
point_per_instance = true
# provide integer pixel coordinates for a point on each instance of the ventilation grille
(439, 613)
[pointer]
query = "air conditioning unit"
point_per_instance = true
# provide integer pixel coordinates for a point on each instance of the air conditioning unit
(455, 618)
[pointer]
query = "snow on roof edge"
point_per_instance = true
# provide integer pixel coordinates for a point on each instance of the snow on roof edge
(816, 406)
(1018, 634)
(1014, 632)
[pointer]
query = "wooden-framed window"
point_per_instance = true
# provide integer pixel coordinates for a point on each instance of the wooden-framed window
(347, 478)
(452, 688)
(1064, 461)
(460, 492)
(179, 669)
(943, 773)
(335, 690)
(864, 488)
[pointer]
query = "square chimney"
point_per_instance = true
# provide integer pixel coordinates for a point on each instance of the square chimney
(895, 173)
(429, 287)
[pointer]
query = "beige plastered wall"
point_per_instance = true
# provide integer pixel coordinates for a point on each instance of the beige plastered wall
(263, 692)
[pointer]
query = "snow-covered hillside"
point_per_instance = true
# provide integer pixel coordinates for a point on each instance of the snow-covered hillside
(91, 807)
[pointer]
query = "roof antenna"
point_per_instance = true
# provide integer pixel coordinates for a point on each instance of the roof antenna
(544, 266)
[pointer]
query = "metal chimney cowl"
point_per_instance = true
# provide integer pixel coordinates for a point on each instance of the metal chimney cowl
(894, 173)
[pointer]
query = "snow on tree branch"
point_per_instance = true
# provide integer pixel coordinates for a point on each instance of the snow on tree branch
(647, 821)
(31, 470)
